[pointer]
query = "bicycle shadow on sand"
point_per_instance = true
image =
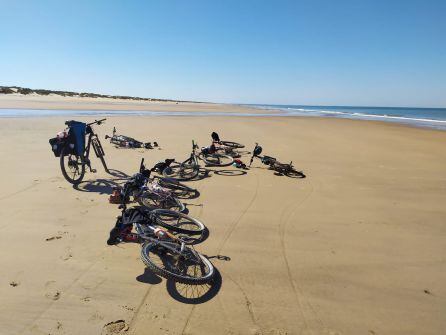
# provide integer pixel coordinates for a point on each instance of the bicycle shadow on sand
(102, 185)
(184, 293)
(230, 173)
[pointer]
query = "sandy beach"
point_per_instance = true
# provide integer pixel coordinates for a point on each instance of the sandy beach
(53, 101)
(357, 247)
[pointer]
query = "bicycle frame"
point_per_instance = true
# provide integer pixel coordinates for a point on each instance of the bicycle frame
(193, 156)
(172, 246)
(93, 140)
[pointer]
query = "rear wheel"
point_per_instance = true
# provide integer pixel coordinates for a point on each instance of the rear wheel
(184, 266)
(72, 166)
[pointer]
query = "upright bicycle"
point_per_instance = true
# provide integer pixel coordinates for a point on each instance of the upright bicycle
(74, 154)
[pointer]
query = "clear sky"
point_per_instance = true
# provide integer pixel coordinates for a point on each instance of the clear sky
(374, 53)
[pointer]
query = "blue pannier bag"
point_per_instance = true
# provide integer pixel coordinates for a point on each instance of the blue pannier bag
(77, 134)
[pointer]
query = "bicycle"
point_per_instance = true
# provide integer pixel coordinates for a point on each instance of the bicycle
(230, 144)
(128, 142)
(227, 147)
(166, 242)
(274, 164)
(70, 146)
(177, 188)
(152, 192)
(190, 168)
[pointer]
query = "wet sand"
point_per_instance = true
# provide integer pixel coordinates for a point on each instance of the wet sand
(355, 248)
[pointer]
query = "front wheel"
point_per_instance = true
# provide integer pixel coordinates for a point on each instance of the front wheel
(72, 166)
(294, 174)
(217, 159)
(231, 152)
(183, 265)
(181, 171)
(233, 145)
(178, 189)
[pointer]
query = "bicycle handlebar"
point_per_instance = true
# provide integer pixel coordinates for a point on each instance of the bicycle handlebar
(98, 122)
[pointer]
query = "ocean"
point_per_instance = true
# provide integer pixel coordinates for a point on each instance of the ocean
(420, 117)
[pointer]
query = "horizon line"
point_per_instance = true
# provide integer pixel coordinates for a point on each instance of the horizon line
(114, 96)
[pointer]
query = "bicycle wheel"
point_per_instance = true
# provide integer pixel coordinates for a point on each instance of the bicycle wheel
(294, 174)
(181, 171)
(177, 188)
(186, 266)
(72, 166)
(177, 222)
(233, 153)
(217, 159)
(152, 200)
(234, 145)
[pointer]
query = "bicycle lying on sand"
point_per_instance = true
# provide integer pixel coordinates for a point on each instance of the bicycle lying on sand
(280, 168)
(70, 146)
(166, 239)
(190, 168)
(153, 192)
(128, 142)
(226, 147)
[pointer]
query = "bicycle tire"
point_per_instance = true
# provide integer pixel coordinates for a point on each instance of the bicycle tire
(217, 159)
(181, 171)
(233, 145)
(66, 157)
(295, 174)
(177, 188)
(166, 270)
(233, 154)
(176, 222)
(152, 200)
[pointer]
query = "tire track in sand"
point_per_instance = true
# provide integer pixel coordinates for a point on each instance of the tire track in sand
(247, 302)
(298, 294)
(147, 293)
(220, 247)
(234, 225)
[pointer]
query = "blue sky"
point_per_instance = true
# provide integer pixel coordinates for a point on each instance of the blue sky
(369, 53)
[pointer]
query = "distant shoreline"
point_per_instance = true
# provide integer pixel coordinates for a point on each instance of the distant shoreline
(91, 104)
(44, 92)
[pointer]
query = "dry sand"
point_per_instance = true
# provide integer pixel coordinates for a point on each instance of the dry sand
(358, 247)
(52, 101)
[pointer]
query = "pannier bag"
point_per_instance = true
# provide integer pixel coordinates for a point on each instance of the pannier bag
(57, 145)
(74, 137)
(77, 136)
